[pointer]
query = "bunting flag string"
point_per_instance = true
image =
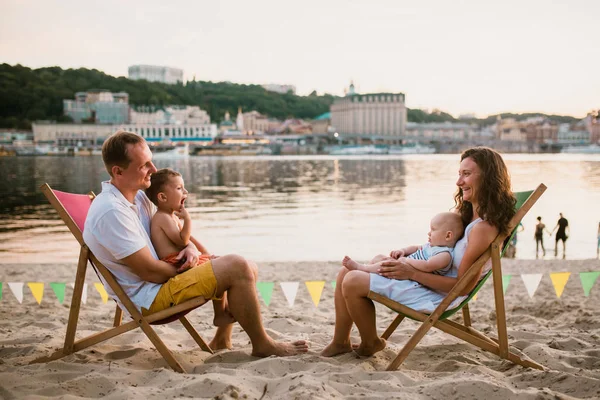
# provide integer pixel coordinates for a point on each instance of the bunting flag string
(315, 289)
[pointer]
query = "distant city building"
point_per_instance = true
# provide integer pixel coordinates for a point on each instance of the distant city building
(80, 135)
(173, 133)
(378, 115)
(595, 127)
(322, 123)
(98, 106)
(177, 115)
(255, 122)
(293, 126)
(272, 87)
(576, 134)
(226, 125)
(239, 120)
(447, 131)
(155, 73)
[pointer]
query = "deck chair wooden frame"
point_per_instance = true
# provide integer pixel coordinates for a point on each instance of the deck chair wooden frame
(138, 320)
(465, 331)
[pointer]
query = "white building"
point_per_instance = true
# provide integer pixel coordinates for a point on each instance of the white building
(155, 73)
(172, 132)
(273, 87)
(177, 115)
(441, 131)
(80, 135)
(378, 115)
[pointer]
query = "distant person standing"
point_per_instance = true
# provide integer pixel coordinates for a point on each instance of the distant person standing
(561, 234)
(540, 227)
(598, 246)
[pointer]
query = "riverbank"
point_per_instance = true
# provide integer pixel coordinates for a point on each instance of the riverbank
(562, 333)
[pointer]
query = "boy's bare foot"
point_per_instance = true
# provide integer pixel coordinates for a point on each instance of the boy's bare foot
(224, 344)
(333, 349)
(281, 349)
(366, 350)
(350, 263)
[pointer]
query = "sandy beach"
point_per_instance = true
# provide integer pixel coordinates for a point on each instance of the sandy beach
(562, 333)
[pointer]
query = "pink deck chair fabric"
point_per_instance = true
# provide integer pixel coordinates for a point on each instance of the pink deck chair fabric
(77, 205)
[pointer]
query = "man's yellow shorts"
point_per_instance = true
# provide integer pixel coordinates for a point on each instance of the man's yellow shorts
(197, 281)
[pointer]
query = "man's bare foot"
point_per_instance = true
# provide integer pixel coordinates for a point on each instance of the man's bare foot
(281, 349)
(366, 350)
(224, 318)
(220, 344)
(351, 264)
(333, 349)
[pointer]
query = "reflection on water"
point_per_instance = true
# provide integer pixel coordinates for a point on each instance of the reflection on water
(301, 208)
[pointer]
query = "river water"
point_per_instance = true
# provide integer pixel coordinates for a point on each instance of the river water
(313, 208)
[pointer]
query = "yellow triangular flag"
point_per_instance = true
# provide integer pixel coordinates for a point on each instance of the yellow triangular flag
(315, 288)
(474, 298)
(102, 292)
(37, 289)
(559, 280)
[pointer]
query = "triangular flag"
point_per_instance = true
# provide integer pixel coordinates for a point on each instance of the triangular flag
(531, 281)
(83, 293)
(59, 290)
(505, 282)
(290, 289)
(266, 291)
(315, 288)
(102, 291)
(474, 297)
(559, 280)
(37, 289)
(17, 289)
(587, 280)
(333, 284)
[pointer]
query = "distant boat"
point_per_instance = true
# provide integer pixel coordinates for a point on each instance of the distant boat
(176, 152)
(355, 150)
(589, 149)
(411, 149)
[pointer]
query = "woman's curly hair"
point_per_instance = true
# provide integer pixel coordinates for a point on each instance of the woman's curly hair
(495, 198)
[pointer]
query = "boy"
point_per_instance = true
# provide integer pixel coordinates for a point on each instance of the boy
(169, 235)
(434, 256)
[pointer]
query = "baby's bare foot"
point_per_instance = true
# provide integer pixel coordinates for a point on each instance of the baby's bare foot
(350, 263)
(333, 349)
(281, 349)
(366, 350)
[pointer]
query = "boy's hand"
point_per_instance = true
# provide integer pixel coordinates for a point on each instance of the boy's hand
(182, 213)
(397, 254)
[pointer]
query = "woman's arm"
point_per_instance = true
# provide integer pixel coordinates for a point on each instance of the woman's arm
(480, 238)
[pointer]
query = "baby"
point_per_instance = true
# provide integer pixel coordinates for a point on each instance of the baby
(434, 256)
(169, 235)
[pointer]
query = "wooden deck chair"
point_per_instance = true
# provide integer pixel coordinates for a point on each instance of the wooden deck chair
(439, 317)
(73, 209)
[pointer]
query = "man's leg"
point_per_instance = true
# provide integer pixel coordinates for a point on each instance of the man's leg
(237, 276)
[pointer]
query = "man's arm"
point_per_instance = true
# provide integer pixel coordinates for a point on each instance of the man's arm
(434, 263)
(144, 265)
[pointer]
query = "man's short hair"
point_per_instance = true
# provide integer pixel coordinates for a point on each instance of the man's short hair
(158, 181)
(114, 149)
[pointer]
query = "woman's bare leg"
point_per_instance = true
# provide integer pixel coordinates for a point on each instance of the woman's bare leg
(362, 311)
(343, 322)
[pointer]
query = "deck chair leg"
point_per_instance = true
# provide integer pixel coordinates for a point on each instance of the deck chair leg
(118, 316)
(160, 346)
(499, 298)
(388, 332)
(76, 300)
(466, 315)
(410, 345)
(194, 334)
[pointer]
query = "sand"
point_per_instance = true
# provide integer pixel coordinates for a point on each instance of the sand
(561, 333)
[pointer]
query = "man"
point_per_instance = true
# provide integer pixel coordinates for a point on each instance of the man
(117, 231)
(561, 234)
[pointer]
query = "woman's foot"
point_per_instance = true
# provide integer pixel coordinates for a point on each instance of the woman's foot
(333, 349)
(366, 350)
(351, 264)
(281, 349)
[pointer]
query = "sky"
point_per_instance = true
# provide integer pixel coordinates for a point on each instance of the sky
(463, 57)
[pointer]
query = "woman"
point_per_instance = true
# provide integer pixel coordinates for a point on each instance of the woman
(486, 204)
(539, 237)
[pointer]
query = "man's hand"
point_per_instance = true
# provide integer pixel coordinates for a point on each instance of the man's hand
(397, 254)
(190, 254)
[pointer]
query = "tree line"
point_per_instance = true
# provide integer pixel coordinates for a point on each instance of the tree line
(27, 95)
